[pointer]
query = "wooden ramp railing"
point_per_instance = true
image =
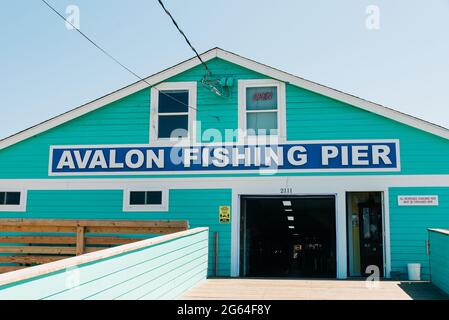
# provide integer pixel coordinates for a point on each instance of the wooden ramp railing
(28, 242)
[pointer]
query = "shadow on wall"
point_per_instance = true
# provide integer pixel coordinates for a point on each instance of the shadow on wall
(423, 291)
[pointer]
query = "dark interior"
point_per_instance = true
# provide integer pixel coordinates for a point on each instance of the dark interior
(272, 248)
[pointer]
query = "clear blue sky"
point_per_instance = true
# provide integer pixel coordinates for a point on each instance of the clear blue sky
(47, 69)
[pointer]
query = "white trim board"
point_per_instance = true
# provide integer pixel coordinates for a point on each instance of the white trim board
(256, 183)
(191, 87)
(280, 107)
(244, 62)
(22, 206)
(163, 207)
(442, 231)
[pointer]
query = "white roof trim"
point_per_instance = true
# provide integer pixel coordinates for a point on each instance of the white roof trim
(105, 100)
(335, 94)
(239, 60)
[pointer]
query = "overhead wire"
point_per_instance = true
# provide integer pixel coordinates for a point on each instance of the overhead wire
(115, 59)
(184, 35)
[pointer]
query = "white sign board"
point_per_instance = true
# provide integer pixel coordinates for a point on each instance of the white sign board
(418, 200)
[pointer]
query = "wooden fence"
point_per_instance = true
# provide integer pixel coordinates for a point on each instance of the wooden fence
(28, 242)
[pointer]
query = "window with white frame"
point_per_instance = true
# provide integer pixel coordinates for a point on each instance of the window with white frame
(173, 115)
(144, 199)
(262, 107)
(12, 200)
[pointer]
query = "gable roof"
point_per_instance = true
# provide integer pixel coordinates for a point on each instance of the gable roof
(239, 60)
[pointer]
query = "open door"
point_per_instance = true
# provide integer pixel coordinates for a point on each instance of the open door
(288, 236)
(365, 232)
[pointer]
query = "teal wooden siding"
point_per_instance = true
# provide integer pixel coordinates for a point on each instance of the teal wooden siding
(310, 116)
(409, 224)
(123, 122)
(161, 271)
(439, 259)
(199, 206)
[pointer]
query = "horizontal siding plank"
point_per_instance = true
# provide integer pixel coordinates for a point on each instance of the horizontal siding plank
(31, 259)
(4, 269)
(37, 249)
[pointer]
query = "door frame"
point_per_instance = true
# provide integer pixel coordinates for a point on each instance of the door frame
(385, 232)
(341, 263)
(314, 186)
(290, 196)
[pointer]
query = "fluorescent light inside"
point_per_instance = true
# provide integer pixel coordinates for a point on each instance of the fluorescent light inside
(291, 227)
(289, 210)
(296, 234)
(287, 203)
(290, 218)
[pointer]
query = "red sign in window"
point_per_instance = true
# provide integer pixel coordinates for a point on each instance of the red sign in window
(263, 96)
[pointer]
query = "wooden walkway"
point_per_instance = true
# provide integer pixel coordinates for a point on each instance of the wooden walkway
(290, 289)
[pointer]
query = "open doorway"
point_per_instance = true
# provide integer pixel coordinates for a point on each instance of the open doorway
(365, 233)
(290, 236)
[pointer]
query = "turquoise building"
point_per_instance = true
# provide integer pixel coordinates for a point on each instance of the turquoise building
(293, 179)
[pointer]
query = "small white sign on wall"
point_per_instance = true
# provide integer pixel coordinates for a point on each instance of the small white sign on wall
(418, 200)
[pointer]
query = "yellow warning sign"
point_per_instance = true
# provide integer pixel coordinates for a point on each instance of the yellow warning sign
(225, 214)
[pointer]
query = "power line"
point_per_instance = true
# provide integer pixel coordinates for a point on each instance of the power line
(183, 34)
(112, 57)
